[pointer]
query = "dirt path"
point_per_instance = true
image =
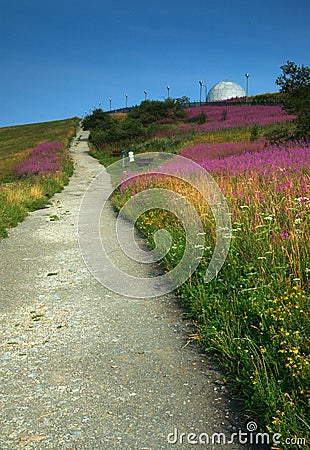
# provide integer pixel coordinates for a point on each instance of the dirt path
(84, 368)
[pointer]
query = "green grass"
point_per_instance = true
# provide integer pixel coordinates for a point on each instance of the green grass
(17, 141)
(255, 315)
(19, 195)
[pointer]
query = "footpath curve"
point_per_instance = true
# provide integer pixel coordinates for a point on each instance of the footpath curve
(84, 368)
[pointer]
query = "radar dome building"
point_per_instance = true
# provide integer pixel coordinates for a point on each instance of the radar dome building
(225, 90)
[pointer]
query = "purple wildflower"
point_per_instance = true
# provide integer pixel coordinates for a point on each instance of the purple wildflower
(43, 159)
(285, 235)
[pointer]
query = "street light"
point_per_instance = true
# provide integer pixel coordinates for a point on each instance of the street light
(99, 105)
(168, 89)
(145, 95)
(247, 87)
(126, 95)
(200, 91)
(110, 100)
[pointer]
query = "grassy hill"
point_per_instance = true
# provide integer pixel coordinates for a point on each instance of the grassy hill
(254, 315)
(26, 179)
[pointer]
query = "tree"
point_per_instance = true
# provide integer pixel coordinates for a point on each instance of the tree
(295, 85)
(293, 77)
(183, 101)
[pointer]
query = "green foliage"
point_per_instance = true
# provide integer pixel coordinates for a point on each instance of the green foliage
(162, 144)
(280, 133)
(183, 101)
(293, 77)
(131, 128)
(98, 136)
(254, 133)
(98, 119)
(141, 121)
(152, 111)
(119, 132)
(295, 84)
(271, 97)
(298, 102)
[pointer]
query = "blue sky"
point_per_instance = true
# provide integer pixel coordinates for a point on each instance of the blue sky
(61, 57)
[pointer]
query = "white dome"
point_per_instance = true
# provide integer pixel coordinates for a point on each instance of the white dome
(224, 91)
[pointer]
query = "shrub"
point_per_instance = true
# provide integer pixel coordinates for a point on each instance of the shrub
(295, 85)
(254, 133)
(152, 111)
(98, 119)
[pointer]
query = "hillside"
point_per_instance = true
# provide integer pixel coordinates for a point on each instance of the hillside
(34, 164)
(253, 315)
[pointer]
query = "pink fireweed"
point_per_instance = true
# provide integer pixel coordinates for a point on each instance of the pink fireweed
(273, 163)
(214, 150)
(224, 117)
(240, 116)
(43, 159)
(247, 157)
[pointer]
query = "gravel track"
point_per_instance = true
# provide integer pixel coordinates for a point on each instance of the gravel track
(83, 367)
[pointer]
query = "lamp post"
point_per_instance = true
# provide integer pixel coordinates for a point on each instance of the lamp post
(200, 91)
(145, 95)
(99, 105)
(168, 89)
(110, 100)
(247, 87)
(126, 95)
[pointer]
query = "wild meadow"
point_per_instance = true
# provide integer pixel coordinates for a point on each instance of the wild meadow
(254, 316)
(34, 164)
(209, 118)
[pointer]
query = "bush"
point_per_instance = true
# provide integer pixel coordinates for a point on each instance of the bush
(131, 128)
(152, 111)
(98, 119)
(272, 97)
(254, 133)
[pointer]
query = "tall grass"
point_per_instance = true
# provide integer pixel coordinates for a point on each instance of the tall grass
(32, 168)
(254, 315)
